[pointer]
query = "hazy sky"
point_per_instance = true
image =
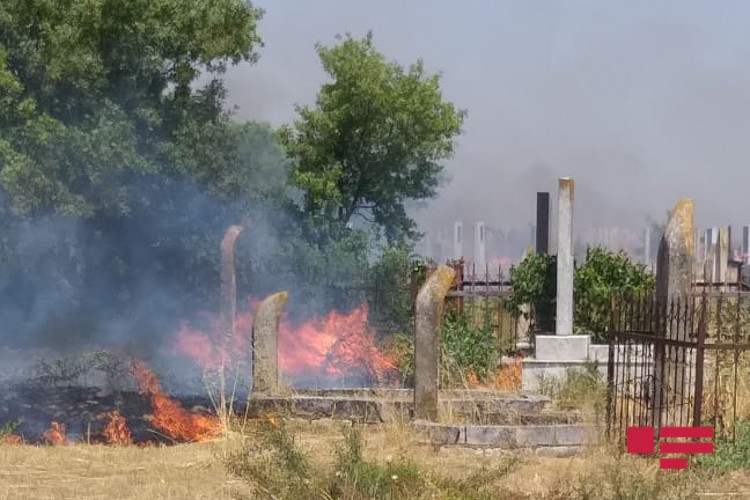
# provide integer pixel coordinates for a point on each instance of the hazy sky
(641, 102)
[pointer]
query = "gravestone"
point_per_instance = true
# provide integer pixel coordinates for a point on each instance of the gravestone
(266, 344)
(565, 263)
(542, 223)
(674, 278)
(429, 311)
(229, 283)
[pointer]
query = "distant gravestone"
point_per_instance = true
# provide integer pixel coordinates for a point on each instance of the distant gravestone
(429, 311)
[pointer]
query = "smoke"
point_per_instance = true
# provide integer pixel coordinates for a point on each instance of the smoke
(640, 106)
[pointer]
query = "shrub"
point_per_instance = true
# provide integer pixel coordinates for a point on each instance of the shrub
(603, 273)
(465, 348)
(534, 282)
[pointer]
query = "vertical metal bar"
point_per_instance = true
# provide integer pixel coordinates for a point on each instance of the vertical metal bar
(611, 363)
(717, 371)
(690, 334)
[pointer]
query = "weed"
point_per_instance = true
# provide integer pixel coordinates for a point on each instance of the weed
(582, 389)
(729, 454)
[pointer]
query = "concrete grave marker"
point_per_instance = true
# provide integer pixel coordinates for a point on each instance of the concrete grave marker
(266, 344)
(429, 311)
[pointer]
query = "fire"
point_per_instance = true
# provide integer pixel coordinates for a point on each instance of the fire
(55, 434)
(272, 419)
(334, 347)
(12, 439)
(508, 377)
(207, 349)
(337, 346)
(169, 417)
(117, 431)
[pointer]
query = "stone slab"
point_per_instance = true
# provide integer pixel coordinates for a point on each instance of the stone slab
(562, 347)
(507, 436)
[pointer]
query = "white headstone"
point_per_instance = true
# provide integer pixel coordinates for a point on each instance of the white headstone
(480, 257)
(458, 251)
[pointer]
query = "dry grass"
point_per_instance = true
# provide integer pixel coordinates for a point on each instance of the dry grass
(196, 471)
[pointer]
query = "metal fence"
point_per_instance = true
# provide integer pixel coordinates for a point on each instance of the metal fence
(683, 362)
(480, 292)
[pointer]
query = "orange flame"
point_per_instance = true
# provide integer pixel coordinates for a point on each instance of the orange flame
(508, 377)
(12, 439)
(117, 431)
(272, 419)
(55, 434)
(169, 417)
(333, 347)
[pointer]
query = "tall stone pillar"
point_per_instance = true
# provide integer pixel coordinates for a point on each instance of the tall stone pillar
(745, 246)
(228, 286)
(565, 263)
(673, 283)
(430, 303)
(554, 353)
(266, 344)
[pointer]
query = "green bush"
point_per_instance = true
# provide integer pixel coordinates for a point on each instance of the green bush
(603, 273)
(534, 281)
(465, 348)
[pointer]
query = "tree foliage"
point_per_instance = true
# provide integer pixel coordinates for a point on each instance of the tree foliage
(374, 140)
(99, 93)
(120, 167)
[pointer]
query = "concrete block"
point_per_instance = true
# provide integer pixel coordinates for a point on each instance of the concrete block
(491, 436)
(562, 347)
(441, 433)
(535, 371)
(599, 353)
(570, 435)
(531, 436)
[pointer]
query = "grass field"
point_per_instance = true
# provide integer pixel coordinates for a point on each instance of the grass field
(198, 471)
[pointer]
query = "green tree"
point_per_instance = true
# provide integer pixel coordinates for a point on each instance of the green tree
(118, 161)
(99, 92)
(374, 140)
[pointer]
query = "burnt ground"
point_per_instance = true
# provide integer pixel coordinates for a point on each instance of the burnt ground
(40, 387)
(82, 410)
